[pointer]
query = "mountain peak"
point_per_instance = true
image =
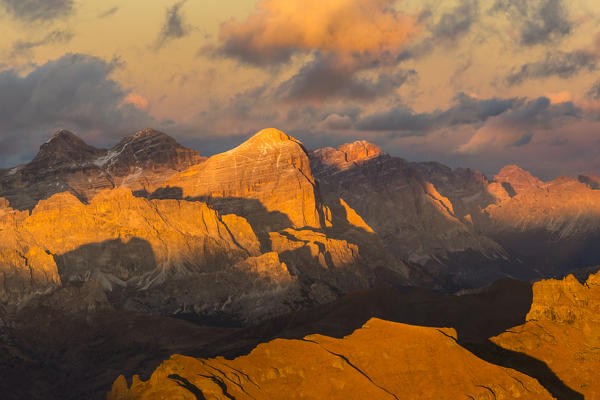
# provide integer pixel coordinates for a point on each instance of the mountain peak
(360, 150)
(63, 149)
(148, 132)
(270, 136)
(148, 148)
(516, 180)
(64, 136)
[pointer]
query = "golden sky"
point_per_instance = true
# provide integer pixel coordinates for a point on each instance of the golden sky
(476, 83)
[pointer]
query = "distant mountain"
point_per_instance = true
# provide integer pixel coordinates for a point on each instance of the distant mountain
(267, 238)
(65, 163)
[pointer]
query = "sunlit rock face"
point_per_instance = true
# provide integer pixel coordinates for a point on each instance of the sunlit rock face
(382, 360)
(268, 177)
(516, 180)
(563, 330)
(153, 248)
(415, 222)
(564, 207)
(65, 163)
(259, 234)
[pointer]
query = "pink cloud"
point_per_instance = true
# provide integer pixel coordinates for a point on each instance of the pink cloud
(343, 27)
(137, 100)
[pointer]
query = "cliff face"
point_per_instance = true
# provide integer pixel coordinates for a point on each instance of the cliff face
(130, 243)
(268, 176)
(415, 222)
(382, 360)
(563, 330)
(249, 222)
(564, 207)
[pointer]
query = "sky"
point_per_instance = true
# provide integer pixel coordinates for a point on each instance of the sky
(469, 83)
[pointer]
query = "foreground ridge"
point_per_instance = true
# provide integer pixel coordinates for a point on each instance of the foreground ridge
(382, 360)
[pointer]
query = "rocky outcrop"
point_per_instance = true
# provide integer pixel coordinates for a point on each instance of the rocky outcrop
(516, 180)
(592, 180)
(563, 331)
(414, 221)
(65, 163)
(564, 207)
(370, 363)
(267, 179)
(468, 190)
(147, 247)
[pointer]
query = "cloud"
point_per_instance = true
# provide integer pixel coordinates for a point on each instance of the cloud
(137, 100)
(327, 77)
(453, 24)
(523, 140)
(466, 110)
(174, 26)
(37, 10)
(594, 91)
(527, 115)
(73, 92)
(336, 121)
(556, 63)
(540, 21)
(345, 28)
(21, 47)
(109, 12)
(560, 97)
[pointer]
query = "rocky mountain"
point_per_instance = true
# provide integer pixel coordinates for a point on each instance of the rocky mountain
(367, 364)
(249, 221)
(563, 331)
(552, 355)
(65, 163)
(269, 240)
(415, 222)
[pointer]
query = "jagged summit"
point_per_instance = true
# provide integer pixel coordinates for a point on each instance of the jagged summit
(270, 167)
(345, 156)
(516, 180)
(360, 150)
(63, 149)
(148, 148)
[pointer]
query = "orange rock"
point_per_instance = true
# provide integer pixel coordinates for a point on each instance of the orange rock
(270, 177)
(383, 360)
(563, 330)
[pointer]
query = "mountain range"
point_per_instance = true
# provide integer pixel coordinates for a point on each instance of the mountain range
(239, 245)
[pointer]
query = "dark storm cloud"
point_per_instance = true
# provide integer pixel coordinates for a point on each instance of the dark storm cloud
(539, 21)
(73, 92)
(54, 37)
(325, 78)
(109, 12)
(523, 140)
(37, 10)
(174, 26)
(594, 91)
(556, 63)
(466, 110)
(453, 24)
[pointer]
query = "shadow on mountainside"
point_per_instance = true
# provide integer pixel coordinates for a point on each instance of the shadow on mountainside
(476, 316)
(260, 219)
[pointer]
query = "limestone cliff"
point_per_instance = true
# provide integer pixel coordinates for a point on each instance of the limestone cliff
(268, 177)
(152, 248)
(415, 222)
(563, 330)
(563, 207)
(383, 360)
